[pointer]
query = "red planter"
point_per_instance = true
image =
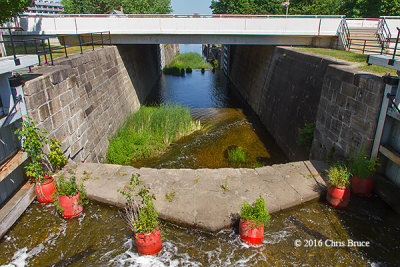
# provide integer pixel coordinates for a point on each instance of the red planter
(71, 206)
(338, 197)
(148, 244)
(362, 187)
(251, 234)
(44, 191)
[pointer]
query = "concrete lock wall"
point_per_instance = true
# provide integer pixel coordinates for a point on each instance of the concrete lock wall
(84, 99)
(289, 88)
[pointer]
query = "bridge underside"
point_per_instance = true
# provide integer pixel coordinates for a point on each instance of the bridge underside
(321, 41)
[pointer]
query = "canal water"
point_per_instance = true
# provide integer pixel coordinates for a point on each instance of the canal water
(227, 123)
(312, 234)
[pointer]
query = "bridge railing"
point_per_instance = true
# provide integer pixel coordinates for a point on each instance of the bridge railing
(384, 33)
(49, 47)
(344, 34)
(178, 24)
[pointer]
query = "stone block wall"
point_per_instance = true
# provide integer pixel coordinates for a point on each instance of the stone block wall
(168, 52)
(289, 88)
(84, 99)
(348, 113)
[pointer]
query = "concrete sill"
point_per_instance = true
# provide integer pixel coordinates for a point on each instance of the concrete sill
(11, 164)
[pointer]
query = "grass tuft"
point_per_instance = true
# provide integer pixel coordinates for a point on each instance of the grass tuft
(237, 155)
(150, 131)
(186, 61)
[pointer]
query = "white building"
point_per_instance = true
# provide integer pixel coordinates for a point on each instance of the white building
(45, 7)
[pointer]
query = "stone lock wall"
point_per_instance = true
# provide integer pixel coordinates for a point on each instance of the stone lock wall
(168, 52)
(289, 88)
(348, 113)
(84, 99)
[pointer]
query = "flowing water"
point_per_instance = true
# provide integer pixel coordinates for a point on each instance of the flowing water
(311, 234)
(227, 123)
(101, 238)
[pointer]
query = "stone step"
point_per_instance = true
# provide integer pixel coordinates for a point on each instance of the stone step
(206, 198)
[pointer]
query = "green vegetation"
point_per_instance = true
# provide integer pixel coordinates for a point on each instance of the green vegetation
(32, 139)
(149, 131)
(339, 175)
(170, 196)
(10, 9)
(255, 213)
(350, 8)
(237, 155)
(361, 166)
(105, 6)
(350, 56)
(56, 156)
(225, 186)
(142, 216)
(306, 135)
(185, 61)
(68, 188)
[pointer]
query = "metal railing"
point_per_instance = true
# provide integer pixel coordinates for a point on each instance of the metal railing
(45, 49)
(344, 34)
(383, 33)
(391, 62)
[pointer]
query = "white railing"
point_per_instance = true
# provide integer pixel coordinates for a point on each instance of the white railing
(182, 25)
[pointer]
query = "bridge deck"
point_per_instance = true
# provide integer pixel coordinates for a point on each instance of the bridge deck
(206, 198)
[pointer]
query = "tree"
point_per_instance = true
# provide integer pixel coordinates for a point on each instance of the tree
(105, 6)
(147, 6)
(11, 8)
(315, 7)
(249, 7)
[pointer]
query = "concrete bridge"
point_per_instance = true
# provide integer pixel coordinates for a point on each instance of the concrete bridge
(225, 29)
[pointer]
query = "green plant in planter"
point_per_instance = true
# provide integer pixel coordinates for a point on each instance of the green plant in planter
(56, 156)
(142, 216)
(339, 175)
(70, 187)
(32, 139)
(255, 213)
(361, 166)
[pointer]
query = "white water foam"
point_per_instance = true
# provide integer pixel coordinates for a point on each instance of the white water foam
(20, 256)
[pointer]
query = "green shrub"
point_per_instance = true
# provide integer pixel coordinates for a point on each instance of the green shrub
(172, 71)
(184, 61)
(189, 70)
(142, 216)
(68, 187)
(339, 175)
(255, 213)
(150, 131)
(306, 135)
(361, 166)
(56, 156)
(237, 155)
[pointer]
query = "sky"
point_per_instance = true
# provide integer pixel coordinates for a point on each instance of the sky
(189, 7)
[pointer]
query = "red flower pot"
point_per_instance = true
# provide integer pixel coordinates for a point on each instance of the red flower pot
(362, 187)
(44, 191)
(250, 233)
(148, 244)
(71, 205)
(338, 197)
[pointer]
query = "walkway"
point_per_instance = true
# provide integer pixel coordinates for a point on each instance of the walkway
(206, 198)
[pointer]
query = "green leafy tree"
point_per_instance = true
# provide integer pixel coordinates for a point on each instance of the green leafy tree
(90, 6)
(315, 7)
(105, 6)
(249, 7)
(11, 8)
(146, 6)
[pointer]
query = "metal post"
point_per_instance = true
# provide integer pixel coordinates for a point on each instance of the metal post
(65, 47)
(80, 43)
(365, 41)
(37, 52)
(102, 41)
(51, 53)
(381, 121)
(109, 36)
(16, 60)
(287, 7)
(91, 36)
(44, 51)
(395, 48)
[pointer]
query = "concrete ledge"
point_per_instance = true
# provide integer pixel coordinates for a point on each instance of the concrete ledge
(10, 213)
(206, 198)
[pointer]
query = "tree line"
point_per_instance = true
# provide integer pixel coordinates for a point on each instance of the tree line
(350, 8)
